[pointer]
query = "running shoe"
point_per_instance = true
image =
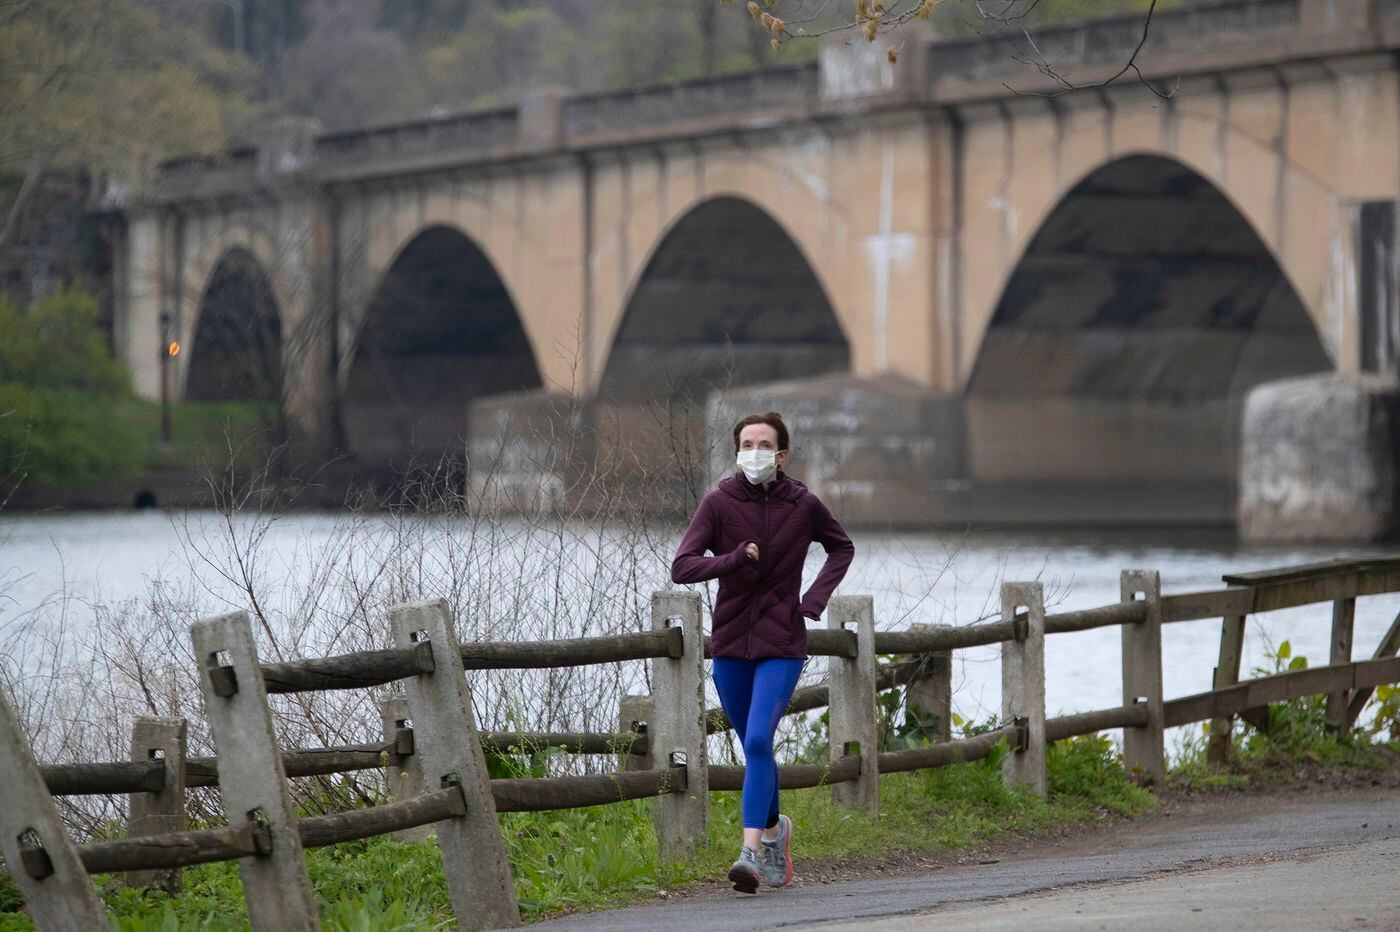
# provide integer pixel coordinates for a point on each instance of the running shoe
(743, 873)
(777, 855)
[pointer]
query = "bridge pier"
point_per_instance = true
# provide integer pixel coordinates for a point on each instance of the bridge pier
(876, 450)
(540, 452)
(1320, 459)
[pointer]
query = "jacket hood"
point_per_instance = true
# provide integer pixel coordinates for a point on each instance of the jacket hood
(785, 488)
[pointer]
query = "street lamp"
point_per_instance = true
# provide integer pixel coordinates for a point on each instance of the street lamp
(169, 348)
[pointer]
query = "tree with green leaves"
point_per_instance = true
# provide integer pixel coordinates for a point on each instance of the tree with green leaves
(60, 390)
(106, 87)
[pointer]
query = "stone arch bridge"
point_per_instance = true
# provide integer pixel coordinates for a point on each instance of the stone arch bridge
(980, 293)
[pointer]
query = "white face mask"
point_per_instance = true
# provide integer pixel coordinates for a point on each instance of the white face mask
(758, 465)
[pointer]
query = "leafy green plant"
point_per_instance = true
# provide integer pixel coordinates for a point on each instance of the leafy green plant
(523, 762)
(1285, 733)
(1090, 767)
(1385, 703)
(900, 725)
(59, 395)
(1296, 728)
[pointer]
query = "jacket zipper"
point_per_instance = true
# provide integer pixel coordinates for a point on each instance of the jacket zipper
(762, 559)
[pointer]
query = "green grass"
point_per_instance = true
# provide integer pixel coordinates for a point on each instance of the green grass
(62, 438)
(606, 856)
(203, 433)
(1295, 734)
(1291, 734)
(68, 417)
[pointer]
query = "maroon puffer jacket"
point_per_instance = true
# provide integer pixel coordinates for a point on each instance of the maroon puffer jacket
(757, 613)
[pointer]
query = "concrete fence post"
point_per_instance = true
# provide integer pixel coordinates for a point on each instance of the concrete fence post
(403, 773)
(929, 695)
(1144, 750)
(252, 780)
(1023, 684)
(1343, 620)
(158, 739)
(676, 732)
(42, 861)
(448, 746)
(1227, 673)
(634, 714)
(852, 719)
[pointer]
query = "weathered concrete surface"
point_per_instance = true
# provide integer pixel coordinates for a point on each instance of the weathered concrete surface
(1320, 460)
(165, 739)
(1143, 748)
(1216, 834)
(449, 751)
(1280, 895)
(403, 773)
(1023, 684)
(677, 727)
(62, 898)
(252, 777)
(852, 711)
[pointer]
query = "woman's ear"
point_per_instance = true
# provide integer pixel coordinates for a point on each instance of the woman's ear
(781, 458)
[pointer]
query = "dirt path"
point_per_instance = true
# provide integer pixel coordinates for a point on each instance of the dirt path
(1188, 835)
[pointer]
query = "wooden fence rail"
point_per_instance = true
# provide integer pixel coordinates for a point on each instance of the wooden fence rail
(93, 779)
(437, 764)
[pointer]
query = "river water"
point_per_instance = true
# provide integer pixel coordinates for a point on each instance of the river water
(69, 567)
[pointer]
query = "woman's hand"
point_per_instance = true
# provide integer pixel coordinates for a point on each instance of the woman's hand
(751, 551)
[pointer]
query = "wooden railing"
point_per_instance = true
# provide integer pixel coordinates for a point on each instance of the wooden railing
(436, 766)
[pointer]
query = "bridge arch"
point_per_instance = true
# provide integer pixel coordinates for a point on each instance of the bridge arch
(234, 351)
(497, 215)
(1018, 171)
(243, 268)
(727, 295)
(440, 329)
(1143, 307)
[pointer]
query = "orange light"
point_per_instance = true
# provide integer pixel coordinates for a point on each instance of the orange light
(173, 349)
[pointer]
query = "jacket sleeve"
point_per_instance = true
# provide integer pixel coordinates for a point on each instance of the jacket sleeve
(828, 532)
(691, 565)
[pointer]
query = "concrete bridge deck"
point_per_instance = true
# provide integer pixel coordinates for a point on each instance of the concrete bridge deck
(1316, 860)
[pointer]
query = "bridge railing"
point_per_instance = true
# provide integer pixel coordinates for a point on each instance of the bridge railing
(616, 111)
(235, 170)
(435, 757)
(1111, 40)
(481, 130)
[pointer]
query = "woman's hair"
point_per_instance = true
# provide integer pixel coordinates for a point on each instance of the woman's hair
(772, 418)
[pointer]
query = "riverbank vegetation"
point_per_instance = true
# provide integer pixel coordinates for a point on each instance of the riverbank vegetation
(60, 395)
(69, 418)
(1292, 737)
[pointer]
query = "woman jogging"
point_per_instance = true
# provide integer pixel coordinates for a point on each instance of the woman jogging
(759, 524)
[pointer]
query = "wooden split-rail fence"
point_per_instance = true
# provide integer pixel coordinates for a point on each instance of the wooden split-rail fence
(435, 763)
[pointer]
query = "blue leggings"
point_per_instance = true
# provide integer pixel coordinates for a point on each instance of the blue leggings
(755, 694)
